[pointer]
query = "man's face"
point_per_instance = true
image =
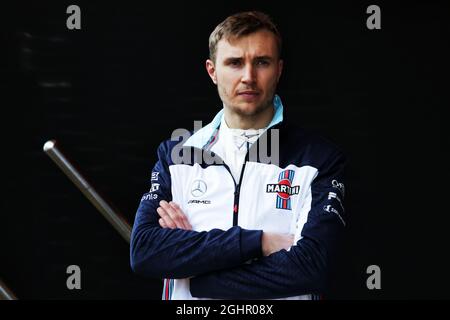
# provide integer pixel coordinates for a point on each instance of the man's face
(246, 72)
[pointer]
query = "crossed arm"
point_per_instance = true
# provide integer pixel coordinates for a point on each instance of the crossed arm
(172, 217)
(178, 252)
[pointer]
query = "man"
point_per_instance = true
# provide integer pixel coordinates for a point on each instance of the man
(242, 227)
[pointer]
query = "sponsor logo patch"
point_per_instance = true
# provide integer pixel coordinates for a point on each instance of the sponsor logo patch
(198, 188)
(338, 185)
(199, 201)
(154, 187)
(284, 189)
(155, 176)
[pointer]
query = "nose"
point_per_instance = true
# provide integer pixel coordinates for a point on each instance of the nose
(248, 76)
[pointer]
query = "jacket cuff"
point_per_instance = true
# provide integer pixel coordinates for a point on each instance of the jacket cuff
(251, 244)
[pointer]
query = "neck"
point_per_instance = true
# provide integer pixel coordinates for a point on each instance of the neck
(259, 121)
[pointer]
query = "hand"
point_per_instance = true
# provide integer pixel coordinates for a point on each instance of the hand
(273, 242)
(172, 216)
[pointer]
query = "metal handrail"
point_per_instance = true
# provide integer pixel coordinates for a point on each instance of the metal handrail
(115, 219)
(5, 292)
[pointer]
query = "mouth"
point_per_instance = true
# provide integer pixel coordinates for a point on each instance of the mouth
(248, 93)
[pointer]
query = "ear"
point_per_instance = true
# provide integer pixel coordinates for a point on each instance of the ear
(280, 69)
(211, 69)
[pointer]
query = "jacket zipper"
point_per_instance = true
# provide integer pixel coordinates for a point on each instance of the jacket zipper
(236, 197)
(237, 190)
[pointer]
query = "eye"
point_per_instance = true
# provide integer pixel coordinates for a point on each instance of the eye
(235, 62)
(262, 63)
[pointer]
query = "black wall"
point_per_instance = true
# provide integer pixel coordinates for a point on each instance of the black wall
(110, 92)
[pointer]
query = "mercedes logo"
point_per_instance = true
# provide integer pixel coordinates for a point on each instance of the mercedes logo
(198, 188)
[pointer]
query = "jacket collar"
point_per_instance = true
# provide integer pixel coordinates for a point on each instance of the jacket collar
(208, 133)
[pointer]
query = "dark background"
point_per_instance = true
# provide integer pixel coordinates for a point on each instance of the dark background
(112, 91)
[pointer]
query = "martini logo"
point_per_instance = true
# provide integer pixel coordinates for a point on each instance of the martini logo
(284, 189)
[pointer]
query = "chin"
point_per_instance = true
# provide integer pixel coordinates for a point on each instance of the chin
(248, 109)
(251, 108)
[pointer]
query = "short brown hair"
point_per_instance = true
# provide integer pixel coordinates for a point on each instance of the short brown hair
(241, 24)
